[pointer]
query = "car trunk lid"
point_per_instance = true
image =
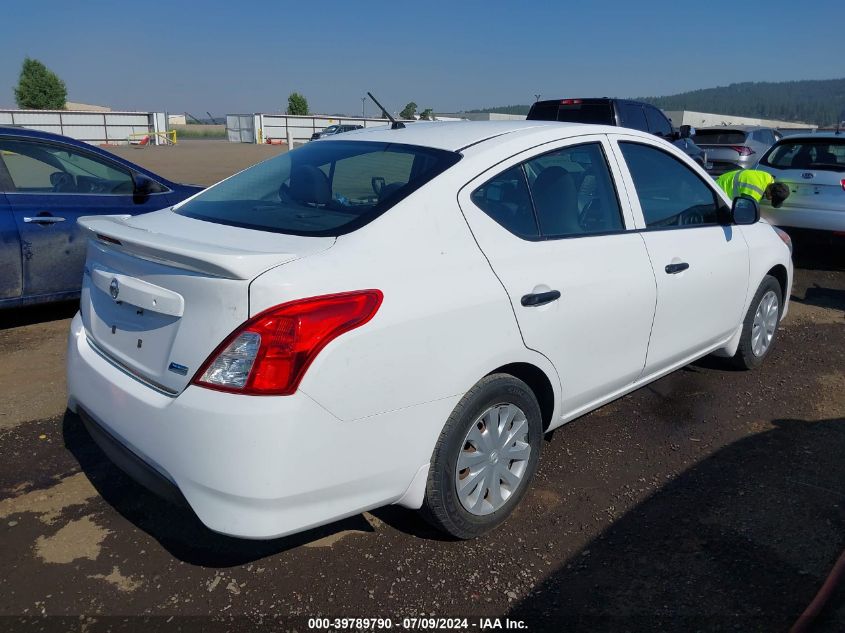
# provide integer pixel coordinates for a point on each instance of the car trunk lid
(160, 291)
(812, 188)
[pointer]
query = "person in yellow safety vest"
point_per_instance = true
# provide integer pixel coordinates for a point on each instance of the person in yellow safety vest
(754, 184)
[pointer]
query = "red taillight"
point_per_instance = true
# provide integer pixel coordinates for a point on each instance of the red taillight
(742, 150)
(569, 101)
(842, 182)
(268, 355)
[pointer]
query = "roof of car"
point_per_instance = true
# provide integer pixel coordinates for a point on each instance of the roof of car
(457, 135)
(728, 128)
(812, 136)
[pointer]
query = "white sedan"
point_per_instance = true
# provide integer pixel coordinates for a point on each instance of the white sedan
(399, 315)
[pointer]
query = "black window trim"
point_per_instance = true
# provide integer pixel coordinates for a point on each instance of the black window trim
(65, 147)
(721, 208)
(548, 238)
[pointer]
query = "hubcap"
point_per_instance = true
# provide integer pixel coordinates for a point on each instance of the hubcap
(493, 460)
(765, 322)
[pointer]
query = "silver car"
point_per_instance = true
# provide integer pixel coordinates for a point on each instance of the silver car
(735, 146)
(813, 167)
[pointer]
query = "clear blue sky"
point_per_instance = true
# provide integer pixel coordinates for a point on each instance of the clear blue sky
(231, 57)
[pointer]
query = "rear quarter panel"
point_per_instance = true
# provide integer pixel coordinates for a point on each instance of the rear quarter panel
(445, 322)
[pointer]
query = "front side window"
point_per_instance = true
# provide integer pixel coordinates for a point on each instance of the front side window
(565, 193)
(321, 189)
(46, 168)
(670, 193)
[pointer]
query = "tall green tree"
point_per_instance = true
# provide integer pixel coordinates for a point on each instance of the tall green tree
(408, 111)
(38, 88)
(427, 115)
(297, 104)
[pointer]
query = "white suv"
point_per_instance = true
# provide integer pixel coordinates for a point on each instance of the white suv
(399, 315)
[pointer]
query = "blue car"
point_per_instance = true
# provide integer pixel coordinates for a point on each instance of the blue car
(47, 181)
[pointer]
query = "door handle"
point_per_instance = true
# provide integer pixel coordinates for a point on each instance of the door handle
(540, 298)
(44, 219)
(674, 269)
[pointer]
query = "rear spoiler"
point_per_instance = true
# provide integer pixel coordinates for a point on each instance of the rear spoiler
(200, 257)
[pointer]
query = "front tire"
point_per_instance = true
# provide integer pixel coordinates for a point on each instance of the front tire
(759, 328)
(484, 458)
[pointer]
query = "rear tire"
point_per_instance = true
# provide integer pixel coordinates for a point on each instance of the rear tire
(484, 458)
(759, 328)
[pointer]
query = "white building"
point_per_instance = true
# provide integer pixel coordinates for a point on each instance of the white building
(706, 119)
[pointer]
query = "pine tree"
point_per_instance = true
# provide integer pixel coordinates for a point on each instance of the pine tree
(297, 104)
(38, 88)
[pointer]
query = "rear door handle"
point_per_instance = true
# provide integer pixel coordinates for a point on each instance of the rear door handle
(44, 219)
(674, 269)
(540, 298)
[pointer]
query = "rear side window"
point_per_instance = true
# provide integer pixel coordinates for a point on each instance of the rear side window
(506, 200)
(571, 194)
(632, 116)
(322, 189)
(670, 193)
(719, 137)
(657, 122)
(827, 155)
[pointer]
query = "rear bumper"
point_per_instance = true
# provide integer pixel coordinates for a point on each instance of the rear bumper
(805, 218)
(250, 466)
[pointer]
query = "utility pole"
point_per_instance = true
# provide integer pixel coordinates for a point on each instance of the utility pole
(363, 101)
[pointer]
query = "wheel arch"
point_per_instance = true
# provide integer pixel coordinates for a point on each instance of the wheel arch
(539, 383)
(779, 272)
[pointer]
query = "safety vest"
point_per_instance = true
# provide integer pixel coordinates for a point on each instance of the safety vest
(751, 183)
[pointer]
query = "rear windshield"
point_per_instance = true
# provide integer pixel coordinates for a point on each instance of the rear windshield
(719, 137)
(826, 154)
(321, 189)
(600, 113)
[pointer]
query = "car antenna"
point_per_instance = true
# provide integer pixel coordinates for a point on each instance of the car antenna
(394, 124)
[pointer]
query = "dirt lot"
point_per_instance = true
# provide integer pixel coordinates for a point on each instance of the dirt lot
(711, 500)
(198, 162)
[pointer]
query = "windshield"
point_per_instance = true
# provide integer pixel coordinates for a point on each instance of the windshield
(321, 189)
(827, 154)
(719, 137)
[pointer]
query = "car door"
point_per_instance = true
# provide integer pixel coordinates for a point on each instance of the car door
(53, 184)
(701, 266)
(10, 252)
(553, 228)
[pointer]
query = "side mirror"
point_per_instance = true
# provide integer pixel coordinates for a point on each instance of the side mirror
(143, 187)
(745, 211)
(686, 131)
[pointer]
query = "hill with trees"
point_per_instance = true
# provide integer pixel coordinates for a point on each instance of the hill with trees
(811, 101)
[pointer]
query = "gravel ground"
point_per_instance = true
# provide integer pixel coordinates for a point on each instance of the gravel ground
(710, 500)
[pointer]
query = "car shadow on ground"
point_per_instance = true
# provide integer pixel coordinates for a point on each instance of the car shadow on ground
(176, 527)
(741, 541)
(821, 297)
(818, 251)
(30, 315)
